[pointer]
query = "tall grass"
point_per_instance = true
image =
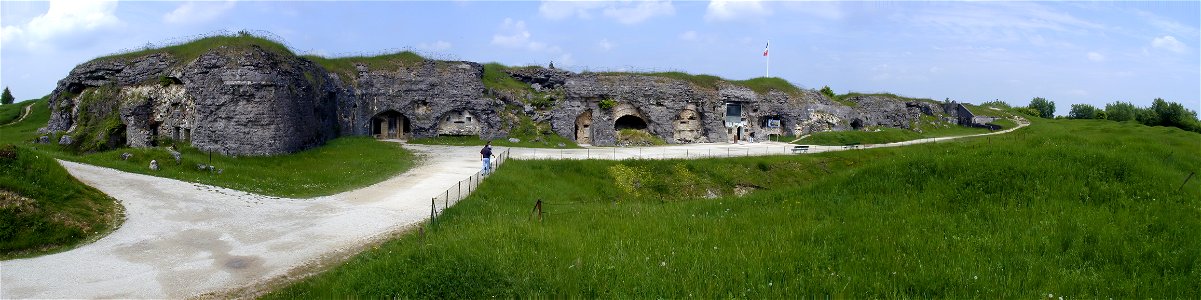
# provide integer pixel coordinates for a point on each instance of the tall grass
(189, 51)
(43, 209)
(1080, 209)
(10, 112)
(887, 135)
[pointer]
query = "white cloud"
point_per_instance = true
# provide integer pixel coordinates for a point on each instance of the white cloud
(728, 10)
(625, 12)
(826, 10)
(435, 46)
(1094, 56)
(68, 21)
(513, 34)
(197, 12)
(605, 44)
(688, 35)
(641, 11)
(1169, 43)
(558, 10)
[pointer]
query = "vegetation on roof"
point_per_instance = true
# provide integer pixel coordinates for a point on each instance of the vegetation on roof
(189, 51)
(345, 66)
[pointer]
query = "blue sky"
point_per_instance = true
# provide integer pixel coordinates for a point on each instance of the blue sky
(1073, 52)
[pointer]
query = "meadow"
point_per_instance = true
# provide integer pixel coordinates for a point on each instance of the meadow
(1078, 209)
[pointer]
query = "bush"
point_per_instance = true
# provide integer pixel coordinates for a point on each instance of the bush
(607, 104)
(8, 152)
(828, 92)
(1045, 108)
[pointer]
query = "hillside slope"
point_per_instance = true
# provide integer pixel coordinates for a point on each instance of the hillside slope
(1087, 209)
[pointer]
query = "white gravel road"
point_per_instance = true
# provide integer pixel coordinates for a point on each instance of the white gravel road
(184, 239)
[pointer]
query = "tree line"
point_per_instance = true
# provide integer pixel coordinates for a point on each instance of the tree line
(1161, 113)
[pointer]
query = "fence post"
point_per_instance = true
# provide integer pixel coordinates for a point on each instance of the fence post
(433, 210)
(446, 202)
(460, 192)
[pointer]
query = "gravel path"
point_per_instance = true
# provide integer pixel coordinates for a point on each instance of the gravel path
(185, 239)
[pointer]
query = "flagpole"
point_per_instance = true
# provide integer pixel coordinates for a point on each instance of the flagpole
(768, 54)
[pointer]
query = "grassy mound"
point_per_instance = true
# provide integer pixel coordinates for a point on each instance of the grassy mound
(43, 209)
(341, 164)
(189, 51)
(1088, 209)
(10, 112)
(886, 135)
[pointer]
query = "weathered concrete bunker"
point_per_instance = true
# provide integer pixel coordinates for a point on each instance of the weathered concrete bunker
(251, 100)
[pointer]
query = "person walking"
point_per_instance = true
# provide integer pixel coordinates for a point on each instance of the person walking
(486, 155)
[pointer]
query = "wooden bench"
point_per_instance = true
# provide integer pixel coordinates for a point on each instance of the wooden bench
(800, 148)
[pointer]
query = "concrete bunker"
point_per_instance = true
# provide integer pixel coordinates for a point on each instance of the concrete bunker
(583, 128)
(688, 127)
(459, 123)
(390, 124)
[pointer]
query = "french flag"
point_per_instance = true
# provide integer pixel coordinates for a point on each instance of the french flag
(765, 48)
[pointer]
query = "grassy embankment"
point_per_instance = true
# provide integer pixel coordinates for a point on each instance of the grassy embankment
(1080, 209)
(42, 208)
(10, 112)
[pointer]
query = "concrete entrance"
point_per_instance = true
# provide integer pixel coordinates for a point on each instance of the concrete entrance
(583, 128)
(390, 124)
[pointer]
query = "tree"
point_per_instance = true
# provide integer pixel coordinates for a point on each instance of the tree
(1121, 111)
(1045, 108)
(7, 97)
(1083, 111)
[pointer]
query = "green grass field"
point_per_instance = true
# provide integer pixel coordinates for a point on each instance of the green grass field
(340, 165)
(10, 112)
(43, 209)
(1079, 209)
(885, 135)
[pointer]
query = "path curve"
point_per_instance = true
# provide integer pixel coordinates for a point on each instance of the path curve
(184, 239)
(24, 113)
(714, 150)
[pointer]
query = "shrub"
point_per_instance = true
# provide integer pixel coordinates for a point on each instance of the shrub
(8, 151)
(607, 103)
(826, 90)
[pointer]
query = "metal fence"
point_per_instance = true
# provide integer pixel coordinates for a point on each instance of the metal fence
(463, 188)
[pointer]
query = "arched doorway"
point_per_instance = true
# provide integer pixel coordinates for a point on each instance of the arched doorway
(857, 124)
(390, 124)
(583, 128)
(629, 122)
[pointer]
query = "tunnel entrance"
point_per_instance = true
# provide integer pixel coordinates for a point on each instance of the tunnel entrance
(390, 124)
(629, 122)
